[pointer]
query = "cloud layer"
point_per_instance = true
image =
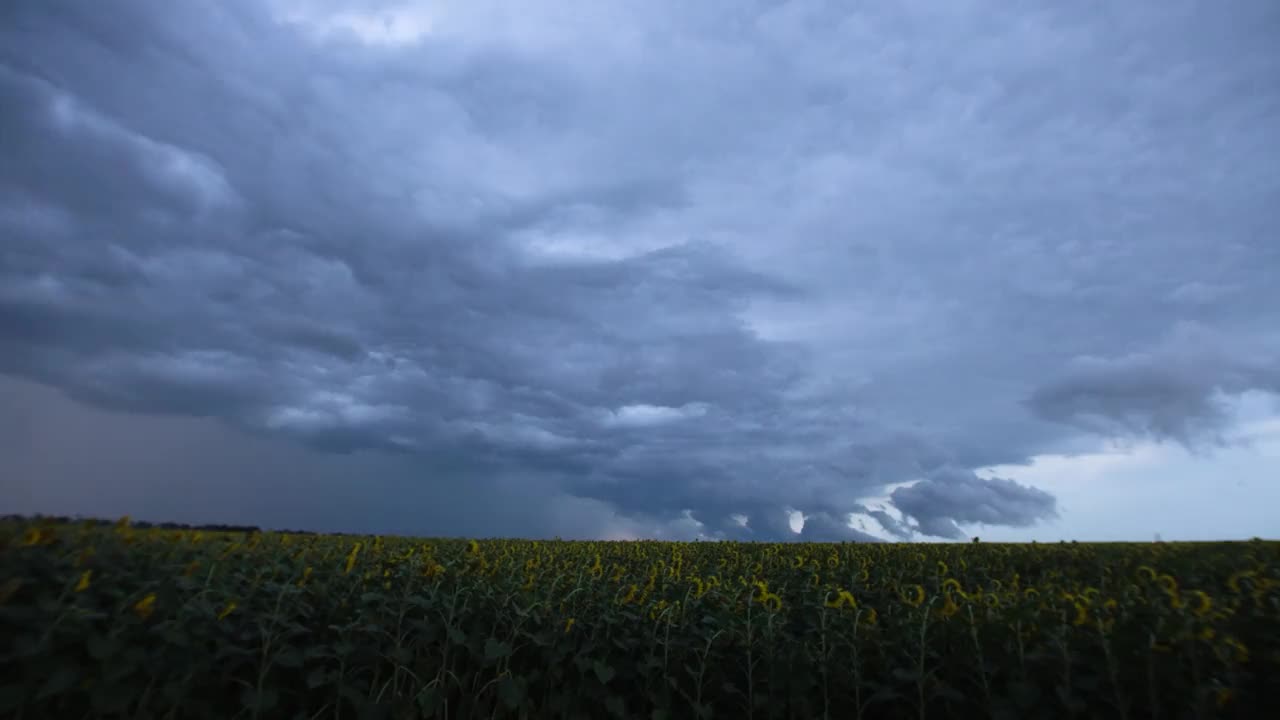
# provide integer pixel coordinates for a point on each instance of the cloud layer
(665, 267)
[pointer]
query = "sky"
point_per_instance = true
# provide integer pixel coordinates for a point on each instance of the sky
(734, 269)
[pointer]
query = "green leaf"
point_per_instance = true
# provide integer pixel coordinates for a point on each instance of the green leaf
(884, 694)
(63, 678)
(258, 701)
(1070, 700)
(102, 647)
(495, 649)
(429, 702)
(318, 677)
(111, 698)
(511, 692)
(314, 652)
(289, 658)
(457, 637)
(947, 692)
(11, 698)
(1025, 695)
(603, 672)
(906, 675)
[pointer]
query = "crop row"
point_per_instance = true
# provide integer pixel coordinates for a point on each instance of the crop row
(116, 621)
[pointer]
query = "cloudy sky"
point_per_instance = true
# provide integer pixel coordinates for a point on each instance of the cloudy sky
(906, 270)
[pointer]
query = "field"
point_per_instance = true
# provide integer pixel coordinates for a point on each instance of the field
(101, 620)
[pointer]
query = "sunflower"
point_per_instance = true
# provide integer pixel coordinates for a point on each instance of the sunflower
(1234, 581)
(916, 596)
(83, 584)
(146, 606)
(351, 558)
(699, 587)
(843, 598)
(1239, 652)
(33, 536)
(771, 602)
(949, 607)
(632, 591)
(1082, 614)
(1203, 603)
(227, 610)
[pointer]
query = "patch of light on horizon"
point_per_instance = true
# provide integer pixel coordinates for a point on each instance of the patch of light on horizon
(796, 519)
(1136, 490)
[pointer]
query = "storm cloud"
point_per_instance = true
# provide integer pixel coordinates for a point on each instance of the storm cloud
(626, 269)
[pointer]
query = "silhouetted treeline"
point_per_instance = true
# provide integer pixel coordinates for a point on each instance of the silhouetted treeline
(143, 524)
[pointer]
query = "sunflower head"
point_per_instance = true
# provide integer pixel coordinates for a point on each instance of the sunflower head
(913, 595)
(1082, 614)
(145, 607)
(1239, 652)
(1202, 604)
(1234, 581)
(949, 607)
(229, 608)
(843, 599)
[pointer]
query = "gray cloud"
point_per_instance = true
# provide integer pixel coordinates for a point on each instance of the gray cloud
(1177, 390)
(794, 256)
(952, 495)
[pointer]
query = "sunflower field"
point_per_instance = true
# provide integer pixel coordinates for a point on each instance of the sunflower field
(103, 621)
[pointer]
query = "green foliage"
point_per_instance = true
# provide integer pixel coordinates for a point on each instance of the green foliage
(101, 621)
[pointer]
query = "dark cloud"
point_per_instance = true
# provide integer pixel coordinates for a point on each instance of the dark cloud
(1177, 390)
(953, 495)
(661, 267)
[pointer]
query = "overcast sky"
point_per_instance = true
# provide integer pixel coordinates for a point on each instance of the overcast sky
(909, 270)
